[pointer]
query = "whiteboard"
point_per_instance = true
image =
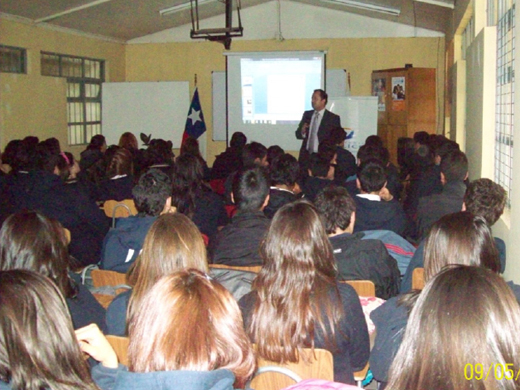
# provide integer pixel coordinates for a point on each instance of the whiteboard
(159, 108)
(336, 82)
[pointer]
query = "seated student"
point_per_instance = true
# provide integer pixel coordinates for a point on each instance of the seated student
(296, 300)
(459, 238)
(238, 243)
(190, 146)
(345, 161)
(119, 179)
(231, 160)
(466, 318)
(158, 155)
(186, 333)
(454, 170)
(376, 208)
(172, 243)
(34, 186)
(483, 198)
(283, 173)
(38, 346)
(357, 259)
(274, 151)
(33, 242)
(192, 197)
(321, 175)
(122, 245)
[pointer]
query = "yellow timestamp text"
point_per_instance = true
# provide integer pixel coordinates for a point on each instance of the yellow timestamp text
(498, 371)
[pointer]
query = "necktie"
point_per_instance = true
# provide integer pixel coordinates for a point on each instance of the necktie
(312, 145)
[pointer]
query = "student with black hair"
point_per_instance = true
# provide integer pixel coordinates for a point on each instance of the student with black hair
(321, 175)
(345, 161)
(238, 243)
(230, 160)
(376, 208)
(283, 173)
(122, 245)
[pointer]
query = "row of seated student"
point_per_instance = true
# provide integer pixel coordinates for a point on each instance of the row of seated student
(187, 331)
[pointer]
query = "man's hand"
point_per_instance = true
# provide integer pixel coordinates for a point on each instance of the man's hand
(305, 129)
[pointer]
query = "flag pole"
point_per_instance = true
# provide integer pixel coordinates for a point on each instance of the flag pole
(195, 80)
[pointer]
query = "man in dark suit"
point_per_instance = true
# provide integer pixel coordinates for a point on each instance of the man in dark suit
(315, 126)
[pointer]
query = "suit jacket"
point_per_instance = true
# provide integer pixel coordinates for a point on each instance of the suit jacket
(328, 122)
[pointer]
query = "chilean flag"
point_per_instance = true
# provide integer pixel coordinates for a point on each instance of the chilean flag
(195, 125)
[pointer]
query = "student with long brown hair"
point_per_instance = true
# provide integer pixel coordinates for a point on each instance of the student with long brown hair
(172, 243)
(38, 347)
(188, 334)
(459, 238)
(296, 301)
(464, 325)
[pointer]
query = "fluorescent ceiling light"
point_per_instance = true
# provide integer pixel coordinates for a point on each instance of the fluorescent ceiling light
(366, 6)
(181, 7)
(440, 3)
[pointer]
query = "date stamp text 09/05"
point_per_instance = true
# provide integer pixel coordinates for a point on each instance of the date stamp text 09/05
(498, 371)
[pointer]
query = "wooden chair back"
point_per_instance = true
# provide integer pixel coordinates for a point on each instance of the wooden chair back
(418, 279)
(364, 288)
(120, 345)
(319, 365)
(102, 278)
(67, 235)
(123, 209)
(253, 268)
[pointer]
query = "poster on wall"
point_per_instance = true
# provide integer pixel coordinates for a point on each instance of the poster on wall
(379, 90)
(398, 93)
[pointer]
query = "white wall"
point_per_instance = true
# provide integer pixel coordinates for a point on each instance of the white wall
(299, 21)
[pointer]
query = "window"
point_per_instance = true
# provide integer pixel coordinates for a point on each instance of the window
(505, 94)
(13, 59)
(84, 78)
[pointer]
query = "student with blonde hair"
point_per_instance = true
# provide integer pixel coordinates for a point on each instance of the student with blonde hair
(173, 243)
(187, 333)
(296, 300)
(462, 334)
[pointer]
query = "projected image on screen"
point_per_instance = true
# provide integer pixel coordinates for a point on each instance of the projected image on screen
(278, 90)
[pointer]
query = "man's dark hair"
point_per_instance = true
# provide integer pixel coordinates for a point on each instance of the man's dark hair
(327, 150)
(251, 152)
(274, 151)
(374, 140)
(372, 176)
(319, 165)
(369, 152)
(446, 148)
(421, 137)
(159, 151)
(454, 166)
(335, 206)
(487, 199)
(250, 188)
(323, 94)
(337, 135)
(284, 170)
(238, 140)
(151, 192)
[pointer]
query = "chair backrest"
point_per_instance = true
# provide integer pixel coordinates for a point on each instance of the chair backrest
(67, 235)
(317, 366)
(120, 345)
(251, 268)
(123, 209)
(364, 288)
(418, 279)
(101, 278)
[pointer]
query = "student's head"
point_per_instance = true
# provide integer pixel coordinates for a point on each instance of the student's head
(11, 151)
(319, 166)
(121, 163)
(328, 151)
(97, 142)
(486, 198)
(159, 151)
(371, 177)
(128, 141)
(190, 146)
(250, 190)
(294, 284)
(151, 192)
(238, 140)
(466, 318)
(454, 167)
(337, 209)
(38, 347)
(188, 173)
(284, 170)
(421, 138)
(337, 136)
(33, 242)
(188, 321)
(374, 141)
(274, 151)
(52, 145)
(254, 154)
(173, 243)
(459, 238)
(319, 99)
(67, 167)
(369, 152)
